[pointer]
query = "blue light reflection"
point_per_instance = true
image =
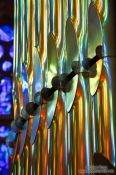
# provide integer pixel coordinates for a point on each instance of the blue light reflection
(5, 96)
(6, 33)
(4, 158)
(6, 66)
(11, 51)
(4, 130)
(1, 51)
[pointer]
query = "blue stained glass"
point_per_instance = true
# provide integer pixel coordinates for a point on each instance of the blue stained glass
(6, 66)
(5, 84)
(1, 51)
(4, 130)
(11, 51)
(6, 33)
(4, 158)
(5, 96)
(5, 108)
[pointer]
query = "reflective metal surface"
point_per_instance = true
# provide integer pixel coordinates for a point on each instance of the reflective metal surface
(37, 86)
(82, 122)
(72, 55)
(39, 56)
(25, 92)
(52, 71)
(94, 40)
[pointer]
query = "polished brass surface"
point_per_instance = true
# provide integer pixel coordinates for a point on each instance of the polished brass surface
(43, 32)
(56, 140)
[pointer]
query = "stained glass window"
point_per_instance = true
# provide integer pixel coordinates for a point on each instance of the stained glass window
(6, 53)
(4, 158)
(6, 65)
(4, 130)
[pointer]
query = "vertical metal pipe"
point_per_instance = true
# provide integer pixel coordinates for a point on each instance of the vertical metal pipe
(43, 141)
(60, 137)
(52, 149)
(75, 17)
(18, 172)
(80, 136)
(43, 33)
(26, 165)
(36, 155)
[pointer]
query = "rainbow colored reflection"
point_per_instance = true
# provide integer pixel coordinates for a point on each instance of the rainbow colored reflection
(74, 136)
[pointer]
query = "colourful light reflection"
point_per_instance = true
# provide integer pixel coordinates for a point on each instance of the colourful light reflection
(86, 120)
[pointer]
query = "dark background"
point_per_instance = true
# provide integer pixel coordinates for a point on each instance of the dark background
(111, 40)
(6, 12)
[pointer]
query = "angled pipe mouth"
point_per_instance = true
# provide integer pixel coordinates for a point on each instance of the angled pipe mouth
(95, 49)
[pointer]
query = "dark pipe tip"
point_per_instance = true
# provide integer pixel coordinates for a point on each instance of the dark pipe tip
(47, 93)
(62, 82)
(65, 82)
(31, 108)
(20, 121)
(56, 82)
(88, 63)
(76, 66)
(99, 51)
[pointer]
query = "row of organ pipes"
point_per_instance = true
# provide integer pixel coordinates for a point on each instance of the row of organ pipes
(61, 138)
